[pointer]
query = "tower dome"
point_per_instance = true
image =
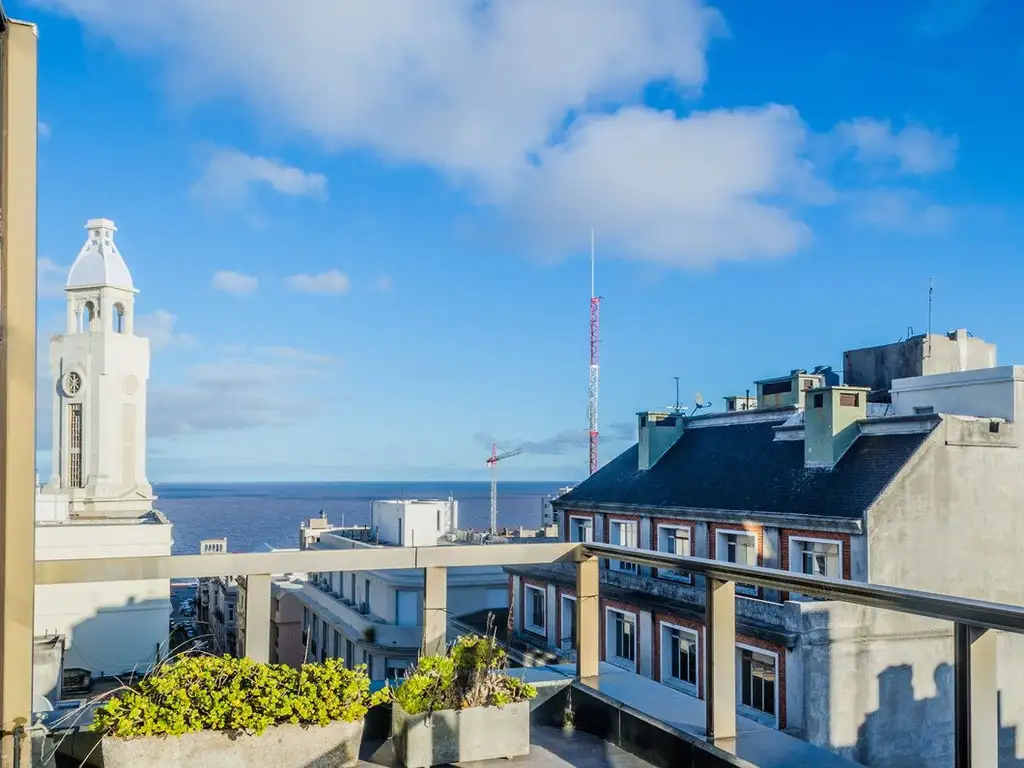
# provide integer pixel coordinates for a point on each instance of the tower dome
(99, 262)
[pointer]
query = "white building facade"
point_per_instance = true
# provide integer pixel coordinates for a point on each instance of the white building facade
(97, 502)
(375, 617)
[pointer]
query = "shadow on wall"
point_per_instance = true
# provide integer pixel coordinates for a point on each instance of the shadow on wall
(117, 640)
(906, 725)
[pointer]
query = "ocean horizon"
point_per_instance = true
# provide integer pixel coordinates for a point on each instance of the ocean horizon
(261, 514)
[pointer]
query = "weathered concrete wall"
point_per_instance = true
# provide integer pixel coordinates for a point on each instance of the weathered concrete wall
(954, 526)
(877, 686)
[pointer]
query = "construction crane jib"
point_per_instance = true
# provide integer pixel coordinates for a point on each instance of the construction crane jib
(492, 464)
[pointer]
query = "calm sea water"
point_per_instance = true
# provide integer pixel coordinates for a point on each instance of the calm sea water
(256, 515)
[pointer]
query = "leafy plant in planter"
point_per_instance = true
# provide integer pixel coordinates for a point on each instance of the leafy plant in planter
(460, 706)
(225, 694)
(199, 699)
(470, 674)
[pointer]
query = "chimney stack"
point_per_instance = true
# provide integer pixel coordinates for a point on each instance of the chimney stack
(656, 433)
(830, 423)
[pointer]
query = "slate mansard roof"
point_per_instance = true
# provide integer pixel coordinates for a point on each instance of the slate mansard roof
(740, 467)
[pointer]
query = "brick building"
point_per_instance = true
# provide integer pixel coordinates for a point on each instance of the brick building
(810, 477)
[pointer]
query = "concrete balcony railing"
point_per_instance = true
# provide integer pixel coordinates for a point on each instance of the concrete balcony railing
(975, 622)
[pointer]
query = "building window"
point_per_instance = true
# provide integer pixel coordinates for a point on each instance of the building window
(623, 533)
(568, 639)
(621, 639)
(850, 399)
(819, 400)
(350, 654)
(815, 557)
(679, 663)
(757, 681)
(394, 669)
(675, 540)
(231, 612)
(581, 529)
(777, 387)
(536, 609)
(75, 474)
(337, 644)
(406, 613)
(119, 326)
(739, 548)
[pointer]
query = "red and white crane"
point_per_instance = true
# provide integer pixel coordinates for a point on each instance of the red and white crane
(492, 464)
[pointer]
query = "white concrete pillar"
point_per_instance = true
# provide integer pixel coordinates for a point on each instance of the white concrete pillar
(257, 617)
(720, 659)
(588, 616)
(435, 610)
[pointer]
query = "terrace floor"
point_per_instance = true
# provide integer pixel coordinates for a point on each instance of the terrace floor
(550, 748)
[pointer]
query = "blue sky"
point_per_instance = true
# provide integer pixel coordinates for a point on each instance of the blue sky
(360, 230)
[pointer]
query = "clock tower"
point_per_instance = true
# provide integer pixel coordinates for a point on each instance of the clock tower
(99, 370)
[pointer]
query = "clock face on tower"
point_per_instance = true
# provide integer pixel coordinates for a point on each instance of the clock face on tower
(72, 384)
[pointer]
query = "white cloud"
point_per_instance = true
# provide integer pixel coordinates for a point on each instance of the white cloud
(50, 278)
(711, 186)
(509, 100)
(235, 393)
(159, 327)
(383, 283)
(914, 150)
(230, 175)
(44, 130)
(332, 282)
(235, 283)
(901, 210)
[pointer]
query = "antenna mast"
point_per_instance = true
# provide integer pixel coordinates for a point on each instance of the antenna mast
(931, 285)
(595, 327)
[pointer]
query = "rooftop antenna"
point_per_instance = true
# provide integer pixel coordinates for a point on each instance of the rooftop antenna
(931, 288)
(679, 405)
(595, 333)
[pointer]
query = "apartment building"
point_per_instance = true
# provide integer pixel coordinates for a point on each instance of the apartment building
(375, 617)
(921, 488)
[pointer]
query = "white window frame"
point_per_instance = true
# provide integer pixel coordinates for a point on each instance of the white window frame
(565, 643)
(793, 550)
(748, 590)
(589, 525)
(622, 565)
(748, 711)
(528, 624)
(609, 639)
(693, 689)
(668, 573)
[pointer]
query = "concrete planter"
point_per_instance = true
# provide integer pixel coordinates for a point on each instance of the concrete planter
(283, 746)
(457, 736)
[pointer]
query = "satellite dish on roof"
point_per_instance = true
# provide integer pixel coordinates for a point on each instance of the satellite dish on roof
(698, 403)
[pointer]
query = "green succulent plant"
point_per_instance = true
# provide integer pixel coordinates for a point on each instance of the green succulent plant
(221, 693)
(470, 674)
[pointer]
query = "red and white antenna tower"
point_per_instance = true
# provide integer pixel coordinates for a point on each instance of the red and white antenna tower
(595, 339)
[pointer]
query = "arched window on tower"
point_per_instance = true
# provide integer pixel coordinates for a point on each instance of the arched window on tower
(119, 319)
(90, 315)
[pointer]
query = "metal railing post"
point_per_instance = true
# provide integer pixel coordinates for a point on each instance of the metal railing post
(720, 659)
(435, 610)
(588, 615)
(976, 698)
(257, 617)
(18, 134)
